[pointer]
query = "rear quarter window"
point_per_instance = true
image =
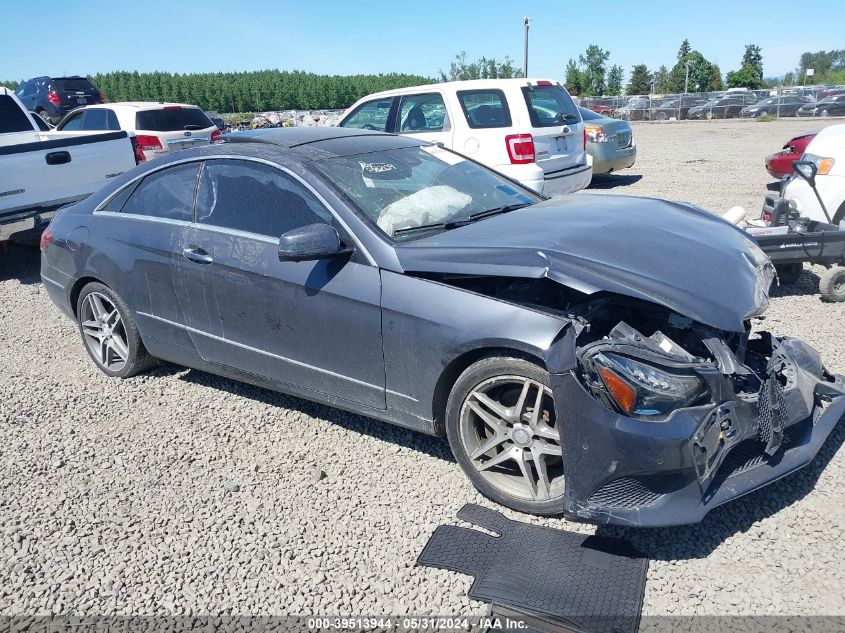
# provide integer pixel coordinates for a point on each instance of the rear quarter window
(550, 106)
(12, 118)
(172, 120)
(485, 108)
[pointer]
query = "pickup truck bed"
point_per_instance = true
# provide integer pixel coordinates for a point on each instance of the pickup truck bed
(42, 171)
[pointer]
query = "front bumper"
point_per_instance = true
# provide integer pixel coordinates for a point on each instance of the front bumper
(634, 472)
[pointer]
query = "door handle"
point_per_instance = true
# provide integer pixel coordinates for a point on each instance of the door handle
(57, 158)
(197, 255)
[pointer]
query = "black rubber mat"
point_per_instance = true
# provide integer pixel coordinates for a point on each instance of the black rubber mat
(577, 581)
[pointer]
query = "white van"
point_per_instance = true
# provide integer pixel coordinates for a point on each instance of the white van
(528, 129)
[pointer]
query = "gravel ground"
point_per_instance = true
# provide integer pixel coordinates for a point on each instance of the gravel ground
(182, 493)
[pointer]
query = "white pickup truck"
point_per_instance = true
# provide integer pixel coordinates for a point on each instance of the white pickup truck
(42, 171)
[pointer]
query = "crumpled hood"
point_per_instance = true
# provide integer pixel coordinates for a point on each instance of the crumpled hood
(678, 256)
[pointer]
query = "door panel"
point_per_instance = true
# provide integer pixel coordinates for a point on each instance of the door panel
(311, 324)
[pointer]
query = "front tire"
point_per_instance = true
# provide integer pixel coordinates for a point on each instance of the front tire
(832, 284)
(501, 426)
(109, 332)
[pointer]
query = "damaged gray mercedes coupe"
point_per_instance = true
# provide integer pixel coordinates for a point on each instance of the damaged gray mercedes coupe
(592, 356)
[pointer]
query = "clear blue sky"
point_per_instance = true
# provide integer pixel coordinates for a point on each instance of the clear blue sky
(420, 37)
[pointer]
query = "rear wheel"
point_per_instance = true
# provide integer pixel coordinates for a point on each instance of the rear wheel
(789, 273)
(824, 113)
(43, 114)
(832, 284)
(662, 116)
(109, 332)
(500, 421)
(708, 114)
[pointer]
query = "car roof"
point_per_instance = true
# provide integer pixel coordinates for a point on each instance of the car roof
(327, 141)
(469, 84)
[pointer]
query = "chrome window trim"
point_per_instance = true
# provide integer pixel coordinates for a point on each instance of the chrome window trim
(99, 208)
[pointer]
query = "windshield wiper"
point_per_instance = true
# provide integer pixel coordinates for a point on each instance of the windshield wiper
(498, 210)
(426, 227)
(445, 226)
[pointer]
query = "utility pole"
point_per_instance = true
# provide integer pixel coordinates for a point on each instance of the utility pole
(525, 21)
(686, 79)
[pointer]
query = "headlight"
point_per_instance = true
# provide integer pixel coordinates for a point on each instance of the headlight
(823, 165)
(596, 134)
(644, 390)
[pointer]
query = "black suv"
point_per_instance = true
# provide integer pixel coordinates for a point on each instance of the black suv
(52, 97)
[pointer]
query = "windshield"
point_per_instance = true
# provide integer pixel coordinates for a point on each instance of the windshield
(403, 190)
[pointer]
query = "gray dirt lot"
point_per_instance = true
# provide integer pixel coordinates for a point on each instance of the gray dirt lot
(112, 496)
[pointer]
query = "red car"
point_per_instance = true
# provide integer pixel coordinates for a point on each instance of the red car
(779, 164)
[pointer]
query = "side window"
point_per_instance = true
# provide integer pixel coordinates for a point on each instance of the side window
(12, 118)
(167, 194)
(74, 122)
(256, 198)
(113, 123)
(485, 108)
(95, 119)
(422, 113)
(372, 115)
(116, 202)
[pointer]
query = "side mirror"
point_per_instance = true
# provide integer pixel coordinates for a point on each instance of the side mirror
(313, 241)
(806, 170)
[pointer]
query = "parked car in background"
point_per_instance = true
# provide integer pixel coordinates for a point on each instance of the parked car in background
(156, 128)
(726, 108)
(602, 106)
(784, 105)
(609, 141)
(829, 106)
(779, 164)
(676, 108)
(41, 170)
(635, 110)
(827, 151)
(528, 129)
(52, 97)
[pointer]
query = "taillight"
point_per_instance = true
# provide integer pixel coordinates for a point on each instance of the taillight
(46, 238)
(101, 96)
(520, 148)
(767, 217)
(585, 138)
(215, 136)
(53, 97)
(172, 108)
(143, 142)
(544, 83)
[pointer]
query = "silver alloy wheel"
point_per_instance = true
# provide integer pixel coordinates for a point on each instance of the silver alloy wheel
(103, 331)
(825, 113)
(508, 431)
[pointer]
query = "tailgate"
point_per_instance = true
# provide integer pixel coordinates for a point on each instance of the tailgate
(57, 171)
(556, 127)
(76, 92)
(619, 133)
(184, 139)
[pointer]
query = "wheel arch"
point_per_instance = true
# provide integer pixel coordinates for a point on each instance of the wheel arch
(458, 365)
(77, 287)
(839, 216)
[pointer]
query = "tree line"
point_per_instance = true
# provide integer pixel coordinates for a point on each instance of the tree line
(252, 91)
